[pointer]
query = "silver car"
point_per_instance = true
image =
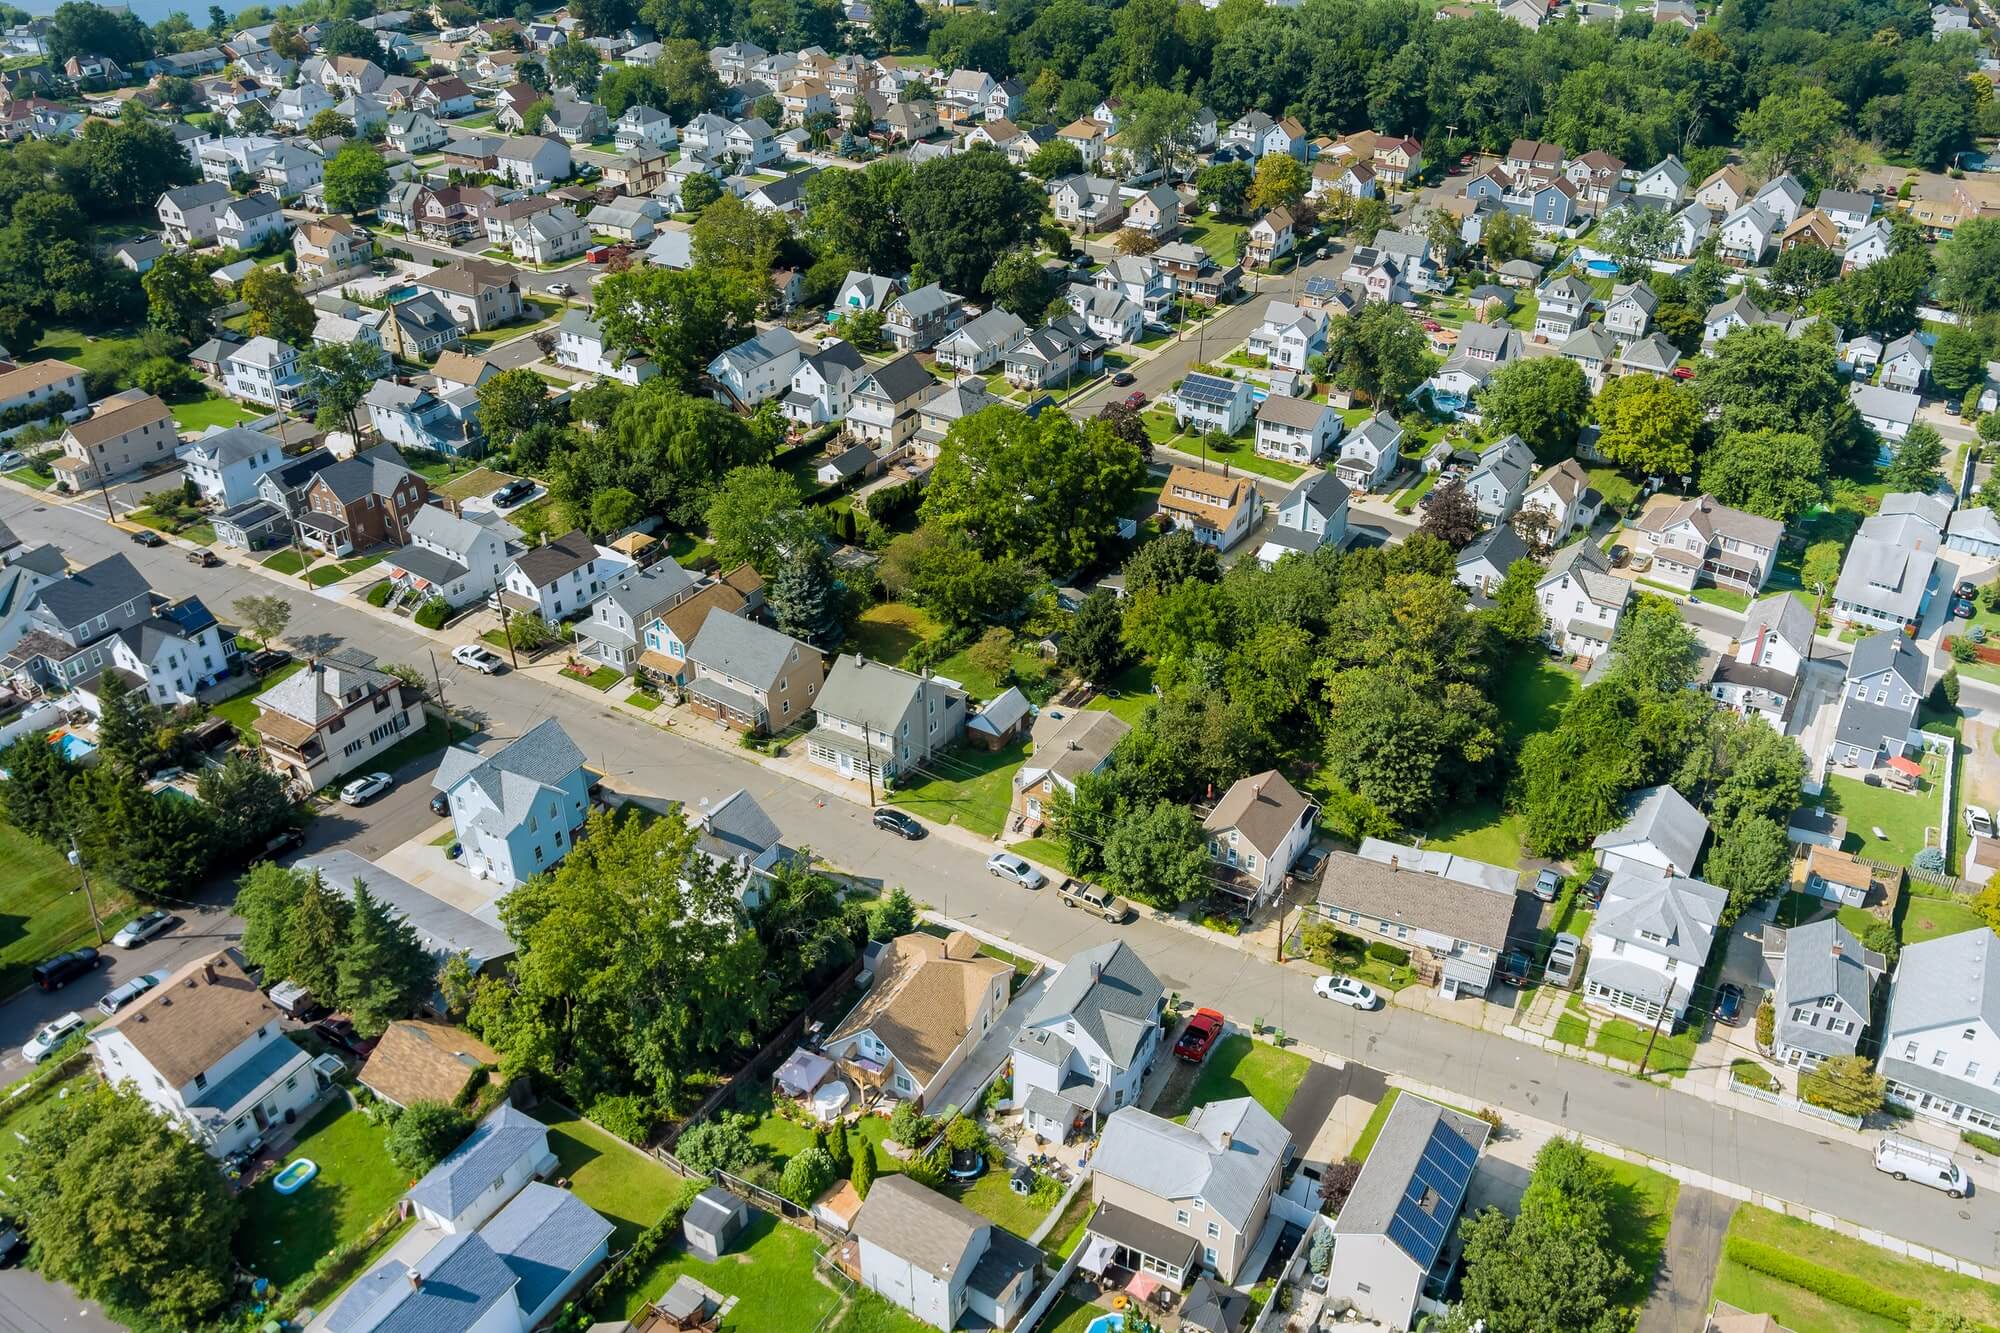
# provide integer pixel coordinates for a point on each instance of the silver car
(1009, 866)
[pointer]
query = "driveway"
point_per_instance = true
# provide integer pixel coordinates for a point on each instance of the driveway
(991, 1052)
(1687, 1272)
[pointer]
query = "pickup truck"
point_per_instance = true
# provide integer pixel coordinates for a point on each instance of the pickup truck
(1078, 893)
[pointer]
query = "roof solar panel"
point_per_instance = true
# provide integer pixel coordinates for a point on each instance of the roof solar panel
(1207, 389)
(1432, 1196)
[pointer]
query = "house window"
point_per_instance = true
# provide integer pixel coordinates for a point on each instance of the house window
(200, 1082)
(1180, 1217)
(1215, 1231)
(1937, 1057)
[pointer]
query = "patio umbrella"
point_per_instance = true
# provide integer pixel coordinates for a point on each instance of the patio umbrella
(1096, 1256)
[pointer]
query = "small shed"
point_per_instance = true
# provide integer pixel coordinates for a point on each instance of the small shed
(837, 1207)
(1000, 721)
(714, 1220)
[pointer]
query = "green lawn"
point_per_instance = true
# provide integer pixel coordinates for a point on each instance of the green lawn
(643, 701)
(1572, 1031)
(1793, 1307)
(1672, 1056)
(85, 350)
(1241, 455)
(619, 1181)
(1242, 1067)
(473, 485)
(1214, 235)
(1902, 815)
(1135, 694)
(1931, 918)
(992, 1197)
(1912, 1278)
(1482, 832)
(1029, 671)
(967, 786)
(1532, 695)
(1726, 598)
(1407, 501)
(1372, 1130)
(42, 907)
(284, 1235)
(288, 561)
(1642, 1208)
(24, 1121)
(1046, 850)
(1069, 1228)
(603, 678)
(769, 1270)
(28, 476)
(212, 410)
(887, 631)
(1070, 1315)
(241, 711)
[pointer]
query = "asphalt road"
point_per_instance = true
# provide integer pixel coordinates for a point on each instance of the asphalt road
(948, 873)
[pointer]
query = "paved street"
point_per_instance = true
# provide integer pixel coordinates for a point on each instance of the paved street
(946, 870)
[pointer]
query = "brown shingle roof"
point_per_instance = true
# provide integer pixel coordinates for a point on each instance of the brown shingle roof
(1838, 868)
(467, 277)
(686, 619)
(23, 379)
(203, 1012)
(1263, 809)
(115, 416)
(926, 996)
(419, 1060)
(1389, 892)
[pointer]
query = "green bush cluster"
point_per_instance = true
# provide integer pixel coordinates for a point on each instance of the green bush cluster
(433, 613)
(1384, 952)
(1823, 1282)
(630, 1116)
(1985, 1143)
(379, 594)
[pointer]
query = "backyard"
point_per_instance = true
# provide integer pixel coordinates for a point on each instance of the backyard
(241, 711)
(210, 410)
(1530, 697)
(1932, 918)
(1882, 823)
(284, 1235)
(1242, 1067)
(886, 632)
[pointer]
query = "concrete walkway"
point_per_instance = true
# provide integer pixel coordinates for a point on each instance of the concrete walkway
(1687, 1271)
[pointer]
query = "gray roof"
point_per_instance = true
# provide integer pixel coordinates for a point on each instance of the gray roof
(233, 445)
(1845, 201)
(1592, 571)
(741, 648)
(641, 593)
(1110, 994)
(543, 1235)
(924, 302)
(435, 524)
(1681, 911)
(905, 377)
(428, 565)
(1873, 400)
(194, 196)
(1324, 493)
(918, 1225)
(1889, 564)
(1823, 958)
(1500, 547)
(377, 472)
(714, 1209)
(860, 690)
(543, 565)
(1171, 1161)
(1303, 413)
(462, 1279)
(499, 1141)
(1663, 817)
(513, 776)
(738, 827)
(1946, 982)
(324, 687)
(1449, 895)
(443, 927)
(1415, 1179)
(1786, 613)
(92, 591)
(1652, 352)
(1890, 651)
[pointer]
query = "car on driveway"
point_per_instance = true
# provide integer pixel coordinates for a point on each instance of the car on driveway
(1967, 589)
(1963, 608)
(1729, 1005)
(1009, 866)
(365, 789)
(513, 492)
(12, 459)
(130, 991)
(1548, 884)
(266, 660)
(142, 928)
(1198, 1036)
(52, 1035)
(898, 823)
(483, 660)
(340, 1032)
(1346, 990)
(148, 537)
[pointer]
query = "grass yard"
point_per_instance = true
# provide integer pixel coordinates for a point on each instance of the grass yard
(1046, 850)
(28, 1117)
(1407, 501)
(769, 1270)
(970, 787)
(28, 476)
(1064, 1236)
(1483, 832)
(1241, 454)
(86, 351)
(474, 485)
(42, 907)
(1572, 1031)
(993, 1198)
(444, 470)
(1792, 1307)
(1242, 1067)
(1726, 598)
(1028, 670)
(283, 1236)
(887, 632)
(1135, 694)
(288, 561)
(629, 1188)
(603, 678)
(211, 410)
(868, 1313)
(241, 710)
(643, 701)
(1932, 918)
(1372, 1130)
(1911, 1278)
(1904, 816)
(334, 573)
(1214, 235)
(1070, 1315)
(1642, 1208)
(1673, 1054)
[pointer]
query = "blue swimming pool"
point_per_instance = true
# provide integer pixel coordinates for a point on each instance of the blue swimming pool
(396, 294)
(74, 747)
(1107, 1323)
(1603, 268)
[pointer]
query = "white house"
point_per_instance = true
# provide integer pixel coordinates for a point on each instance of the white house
(1218, 510)
(533, 163)
(930, 1255)
(581, 345)
(1878, 701)
(1371, 453)
(246, 223)
(1760, 677)
(1312, 516)
(517, 810)
(758, 368)
(880, 718)
(1085, 1049)
(1891, 570)
(1255, 832)
(1290, 335)
(1298, 430)
(1205, 402)
(1648, 942)
(1662, 835)
(449, 556)
(1582, 600)
(1941, 1040)
(559, 578)
(931, 1003)
(823, 385)
(264, 371)
(504, 1152)
(1564, 493)
(209, 1051)
(225, 464)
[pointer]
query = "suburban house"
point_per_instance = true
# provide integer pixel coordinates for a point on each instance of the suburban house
(878, 721)
(418, 1059)
(1582, 600)
(1084, 1051)
(1483, 563)
(517, 810)
(420, 328)
(823, 385)
(1195, 273)
(478, 293)
(978, 345)
(533, 162)
(931, 1002)
(1649, 940)
(611, 636)
(749, 676)
(1564, 308)
(1662, 835)
(1204, 403)
(1906, 364)
(1370, 454)
(334, 717)
(189, 213)
(1297, 430)
(1312, 516)
(1270, 237)
(581, 345)
(1255, 832)
(266, 372)
(362, 501)
(1500, 478)
(1450, 913)
(1941, 1040)
(226, 464)
(77, 626)
(1878, 701)
(1290, 336)
(504, 1152)
(666, 636)
(42, 385)
(1888, 412)
(1219, 511)
(1703, 540)
(1081, 745)
(125, 433)
(209, 1051)
(1174, 1200)
(448, 556)
(735, 833)
(1395, 1247)
(330, 245)
(550, 236)
(918, 319)
(758, 368)
(1087, 203)
(1974, 531)
(246, 223)
(1564, 493)
(1891, 568)
(557, 579)
(1759, 676)
(445, 421)
(1822, 999)
(883, 408)
(1834, 876)
(929, 1254)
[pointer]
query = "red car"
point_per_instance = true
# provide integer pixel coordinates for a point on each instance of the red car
(1136, 398)
(1683, 372)
(1200, 1034)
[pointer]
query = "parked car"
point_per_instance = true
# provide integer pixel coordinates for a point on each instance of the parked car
(142, 928)
(148, 537)
(365, 789)
(13, 1246)
(1123, 378)
(1548, 884)
(1200, 1034)
(1136, 398)
(64, 968)
(440, 803)
(1308, 865)
(1978, 821)
(1009, 866)
(1966, 588)
(1907, 1159)
(282, 841)
(266, 660)
(52, 1035)
(1346, 990)
(204, 557)
(1729, 1005)
(1514, 967)
(483, 660)
(898, 823)
(513, 492)
(12, 459)
(1682, 372)
(1081, 893)
(561, 289)
(123, 995)
(1562, 965)
(1963, 608)
(340, 1032)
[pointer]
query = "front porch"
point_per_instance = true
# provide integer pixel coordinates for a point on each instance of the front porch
(325, 533)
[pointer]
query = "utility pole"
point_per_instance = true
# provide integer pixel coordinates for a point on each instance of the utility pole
(868, 761)
(1665, 997)
(76, 859)
(507, 633)
(437, 677)
(104, 494)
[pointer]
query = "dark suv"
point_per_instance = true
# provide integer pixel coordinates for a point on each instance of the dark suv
(59, 971)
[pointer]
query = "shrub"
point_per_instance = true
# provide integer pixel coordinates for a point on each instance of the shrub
(379, 594)
(1320, 1256)
(1336, 1183)
(909, 1126)
(998, 1091)
(1930, 858)
(1881, 937)
(1985, 1143)
(965, 1135)
(1388, 953)
(1824, 1282)
(1846, 1083)
(433, 613)
(1754, 1074)
(721, 1144)
(1767, 1021)
(424, 1133)
(632, 1117)
(927, 1170)
(863, 1174)
(807, 1175)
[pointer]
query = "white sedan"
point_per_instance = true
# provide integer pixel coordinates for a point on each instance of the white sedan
(1009, 866)
(363, 790)
(142, 928)
(483, 660)
(1347, 991)
(52, 1036)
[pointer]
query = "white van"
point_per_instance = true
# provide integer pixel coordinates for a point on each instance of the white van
(1907, 1159)
(1980, 822)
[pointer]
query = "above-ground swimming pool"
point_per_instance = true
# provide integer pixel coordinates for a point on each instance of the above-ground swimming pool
(1603, 268)
(1107, 1323)
(296, 1173)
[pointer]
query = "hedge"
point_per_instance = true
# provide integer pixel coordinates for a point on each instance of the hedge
(1388, 953)
(379, 594)
(1806, 1275)
(433, 614)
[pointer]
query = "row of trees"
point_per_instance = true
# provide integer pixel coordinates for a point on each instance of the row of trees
(350, 952)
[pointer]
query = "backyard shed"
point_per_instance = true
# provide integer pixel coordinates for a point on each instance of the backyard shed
(714, 1220)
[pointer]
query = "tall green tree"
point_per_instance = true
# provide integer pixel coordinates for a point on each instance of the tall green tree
(1968, 267)
(249, 802)
(806, 598)
(180, 298)
(1544, 400)
(682, 320)
(341, 374)
(276, 308)
(1379, 351)
(384, 972)
(313, 935)
(39, 796)
(1777, 473)
(1157, 855)
(1917, 461)
(1752, 860)
(1555, 1264)
(1649, 425)
(757, 515)
(963, 212)
(356, 179)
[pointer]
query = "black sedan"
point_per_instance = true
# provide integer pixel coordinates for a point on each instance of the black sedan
(1729, 1005)
(898, 823)
(148, 537)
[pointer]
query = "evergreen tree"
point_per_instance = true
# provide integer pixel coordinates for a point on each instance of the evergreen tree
(153, 847)
(128, 725)
(36, 798)
(864, 1168)
(310, 950)
(248, 801)
(384, 970)
(806, 600)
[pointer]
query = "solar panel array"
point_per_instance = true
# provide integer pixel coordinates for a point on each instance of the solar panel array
(1443, 1173)
(1209, 389)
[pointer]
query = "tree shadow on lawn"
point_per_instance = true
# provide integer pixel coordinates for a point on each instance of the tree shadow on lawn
(284, 1236)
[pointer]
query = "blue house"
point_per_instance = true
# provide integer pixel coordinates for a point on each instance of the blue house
(517, 810)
